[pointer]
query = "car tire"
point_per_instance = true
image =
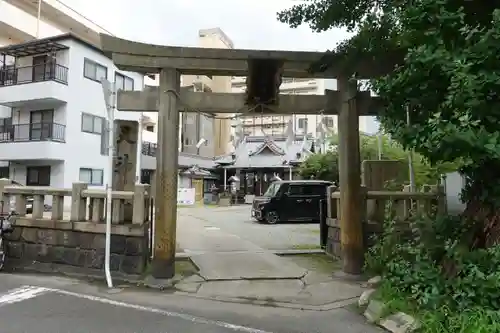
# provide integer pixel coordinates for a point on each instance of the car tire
(272, 217)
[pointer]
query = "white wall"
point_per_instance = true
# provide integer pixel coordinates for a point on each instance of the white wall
(25, 22)
(84, 149)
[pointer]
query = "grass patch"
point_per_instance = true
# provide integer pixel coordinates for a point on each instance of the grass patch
(307, 247)
(183, 267)
(317, 262)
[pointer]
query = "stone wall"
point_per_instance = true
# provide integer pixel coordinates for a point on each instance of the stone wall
(76, 246)
(333, 240)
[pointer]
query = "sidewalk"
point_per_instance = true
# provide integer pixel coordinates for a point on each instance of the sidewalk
(224, 256)
(236, 270)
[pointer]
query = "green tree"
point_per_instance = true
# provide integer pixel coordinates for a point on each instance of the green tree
(321, 166)
(325, 166)
(448, 77)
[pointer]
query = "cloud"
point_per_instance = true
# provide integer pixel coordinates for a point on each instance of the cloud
(249, 23)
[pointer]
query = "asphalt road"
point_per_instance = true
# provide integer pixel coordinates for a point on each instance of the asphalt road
(42, 304)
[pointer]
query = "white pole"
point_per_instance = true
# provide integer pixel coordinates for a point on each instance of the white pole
(109, 185)
(139, 151)
(290, 173)
(379, 145)
(410, 156)
(38, 19)
(225, 179)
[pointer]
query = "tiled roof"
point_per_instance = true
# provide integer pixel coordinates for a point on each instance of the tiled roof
(251, 152)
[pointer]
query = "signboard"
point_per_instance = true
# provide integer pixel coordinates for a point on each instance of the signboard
(185, 196)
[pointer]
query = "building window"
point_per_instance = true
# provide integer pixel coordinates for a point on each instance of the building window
(92, 176)
(4, 172)
(328, 122)
(38, 176)
(5, 125)
(303, 123)
(94, 71)
(92, 124)
(150, 128)
(124, 82)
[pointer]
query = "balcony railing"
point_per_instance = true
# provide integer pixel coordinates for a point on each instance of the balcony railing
(33, 132)
(11, 76)
(149, 149)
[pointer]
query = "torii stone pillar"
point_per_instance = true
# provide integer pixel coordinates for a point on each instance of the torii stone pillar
(163, 265)
(351, 228)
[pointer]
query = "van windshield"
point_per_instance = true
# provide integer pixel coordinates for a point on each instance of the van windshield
(272, 190)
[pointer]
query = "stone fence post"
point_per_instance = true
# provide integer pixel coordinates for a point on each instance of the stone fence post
(78, 202)
(4, 199)
(139, 203)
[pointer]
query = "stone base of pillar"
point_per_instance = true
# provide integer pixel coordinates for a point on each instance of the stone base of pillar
(163, 268)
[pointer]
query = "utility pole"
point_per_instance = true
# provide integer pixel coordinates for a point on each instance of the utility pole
(163, 265)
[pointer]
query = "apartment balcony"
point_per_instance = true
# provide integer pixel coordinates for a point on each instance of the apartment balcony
(33, 141)
(42, 85)
(148, 158)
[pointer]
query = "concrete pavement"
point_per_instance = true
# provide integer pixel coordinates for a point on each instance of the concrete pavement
(236, 220)
(221, 255)
(41, 304)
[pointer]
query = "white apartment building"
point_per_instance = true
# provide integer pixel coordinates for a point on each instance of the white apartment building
(52, 126)
(277, 125)
(302, 124)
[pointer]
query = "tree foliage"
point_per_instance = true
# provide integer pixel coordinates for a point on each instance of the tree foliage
(325, 166)
(448, 80)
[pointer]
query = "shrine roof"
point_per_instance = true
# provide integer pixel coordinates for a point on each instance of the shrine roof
(267, 152)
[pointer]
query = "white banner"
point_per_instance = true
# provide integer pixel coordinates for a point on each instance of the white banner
(185, 196)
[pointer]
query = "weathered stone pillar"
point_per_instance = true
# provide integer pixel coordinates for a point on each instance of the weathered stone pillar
(351, 227)
(126, 147)
(78, 203)
(163, 265)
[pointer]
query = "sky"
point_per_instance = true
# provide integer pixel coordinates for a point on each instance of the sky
(251, 24)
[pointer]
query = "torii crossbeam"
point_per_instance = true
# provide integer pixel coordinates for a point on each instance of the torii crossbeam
(328, 104)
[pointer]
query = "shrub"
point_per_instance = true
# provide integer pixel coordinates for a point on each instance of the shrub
(432, 271)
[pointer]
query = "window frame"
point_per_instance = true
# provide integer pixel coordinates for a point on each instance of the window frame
(304, 122)
(91, 171)
(87, 61)
(293, 186)
(43, 172)
(99, 131)
(125, 77)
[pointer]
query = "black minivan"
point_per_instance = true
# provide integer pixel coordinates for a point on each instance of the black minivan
(291, 200)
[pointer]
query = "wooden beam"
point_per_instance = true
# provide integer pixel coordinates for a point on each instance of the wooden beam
(351, 207)
(147, 101)
(112, 44)
(206, 66)
(163, 264)
(148, 58)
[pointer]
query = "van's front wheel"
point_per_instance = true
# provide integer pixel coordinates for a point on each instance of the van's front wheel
(272, 217)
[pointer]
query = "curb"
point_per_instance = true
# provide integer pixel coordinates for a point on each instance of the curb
(286, 305)
(297, 252)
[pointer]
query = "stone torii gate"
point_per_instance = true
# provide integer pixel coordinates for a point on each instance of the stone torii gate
(168, 99)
